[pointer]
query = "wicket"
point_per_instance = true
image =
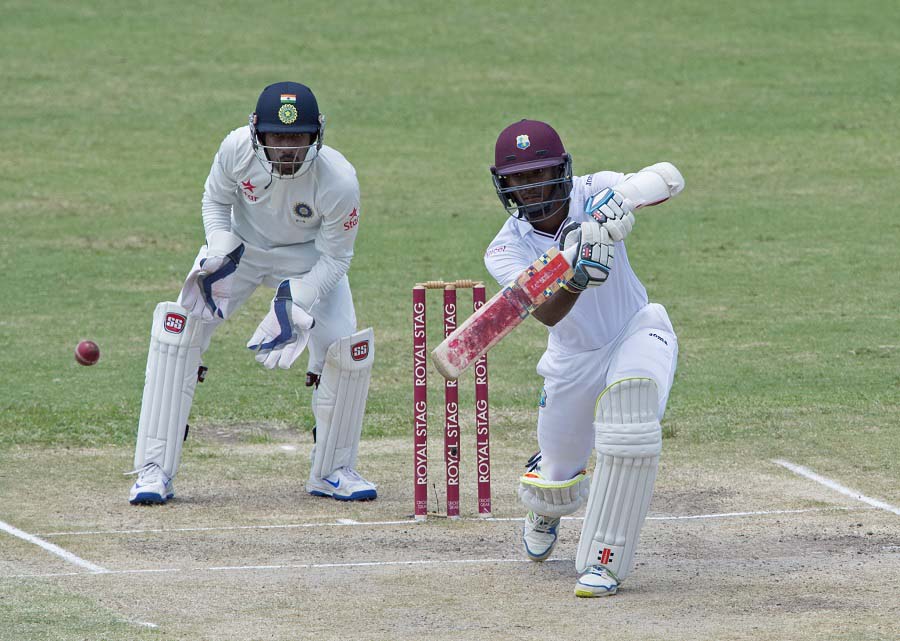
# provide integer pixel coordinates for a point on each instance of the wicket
(451, 405)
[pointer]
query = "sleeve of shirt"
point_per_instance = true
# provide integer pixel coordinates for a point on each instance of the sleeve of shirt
(595, 183)
(337, 235)
(220, 191)
(505, 260)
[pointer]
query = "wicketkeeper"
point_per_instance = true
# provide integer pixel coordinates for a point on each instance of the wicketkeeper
(610, 356)
(280, 209)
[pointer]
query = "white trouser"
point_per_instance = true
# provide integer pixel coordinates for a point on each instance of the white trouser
(646, 347)
(334, 313)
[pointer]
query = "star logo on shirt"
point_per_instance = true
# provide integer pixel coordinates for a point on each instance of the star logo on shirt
(249, 186)
(352, 220)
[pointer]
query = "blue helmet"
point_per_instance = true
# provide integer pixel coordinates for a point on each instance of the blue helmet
(287, 108)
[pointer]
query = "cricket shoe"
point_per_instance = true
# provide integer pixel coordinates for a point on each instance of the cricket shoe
(539, 535)
(344, 484)
(597, 581)
(152, 486)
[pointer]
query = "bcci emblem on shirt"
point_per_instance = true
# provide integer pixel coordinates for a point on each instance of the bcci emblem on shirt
(303, 212)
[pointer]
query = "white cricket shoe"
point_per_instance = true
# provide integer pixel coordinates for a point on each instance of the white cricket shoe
(151, 487)
(344, 484)
(539, 535)
(597, 581)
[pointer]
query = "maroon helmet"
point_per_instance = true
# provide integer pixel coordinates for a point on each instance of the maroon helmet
(529, 145)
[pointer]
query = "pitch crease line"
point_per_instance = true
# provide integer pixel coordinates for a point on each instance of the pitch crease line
(296, 566)
(368, 564)
(52, 548)
(143, 624)
(410, 522)
(834, 485)
(339, 522)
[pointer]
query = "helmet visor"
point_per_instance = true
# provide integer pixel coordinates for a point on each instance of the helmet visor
(288, 161)
(537, 200)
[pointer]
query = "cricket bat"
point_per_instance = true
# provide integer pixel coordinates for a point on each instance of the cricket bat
(502, 314)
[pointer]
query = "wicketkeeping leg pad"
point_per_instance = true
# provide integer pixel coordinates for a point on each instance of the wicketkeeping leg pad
(628, 440)
(340, 402)
(176, 345)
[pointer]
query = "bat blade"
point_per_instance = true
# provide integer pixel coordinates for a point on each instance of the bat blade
(501, 314)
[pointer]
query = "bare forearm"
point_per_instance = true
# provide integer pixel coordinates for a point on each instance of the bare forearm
(556, 308)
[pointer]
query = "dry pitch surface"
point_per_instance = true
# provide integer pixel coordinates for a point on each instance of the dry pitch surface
(728, 552)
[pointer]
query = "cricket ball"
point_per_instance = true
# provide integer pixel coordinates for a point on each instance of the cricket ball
(87, 352)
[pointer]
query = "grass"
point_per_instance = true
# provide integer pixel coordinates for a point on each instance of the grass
(777, 264)
(38, 612)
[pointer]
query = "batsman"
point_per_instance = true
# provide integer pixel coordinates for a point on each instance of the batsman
(611, 353)
(281, 210)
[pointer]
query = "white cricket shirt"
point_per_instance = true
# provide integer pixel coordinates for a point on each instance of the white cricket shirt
(600, 313)
(318, 209)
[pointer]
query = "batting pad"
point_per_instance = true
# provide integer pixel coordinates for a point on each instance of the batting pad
(176, 341)
(628, 439)
(340, 402)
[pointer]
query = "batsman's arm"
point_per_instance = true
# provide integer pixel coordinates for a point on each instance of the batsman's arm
(539, 285)
(502, 313)
(556, 308)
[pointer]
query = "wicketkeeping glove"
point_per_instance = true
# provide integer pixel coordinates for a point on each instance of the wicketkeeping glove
(613, 211)
(207, 289)
(284, 333)
(590, 251)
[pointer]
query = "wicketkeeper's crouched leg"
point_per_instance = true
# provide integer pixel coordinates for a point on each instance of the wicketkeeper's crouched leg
(177, 342)
(339, 404)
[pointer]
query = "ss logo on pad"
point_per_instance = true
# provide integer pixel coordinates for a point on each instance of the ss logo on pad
(175, 323)
(359, 351)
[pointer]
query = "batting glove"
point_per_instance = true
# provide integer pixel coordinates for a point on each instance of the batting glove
(590, 250)
(613, 211)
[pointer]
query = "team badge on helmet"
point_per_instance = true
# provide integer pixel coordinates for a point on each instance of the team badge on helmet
(286, 108)
(287, 114)
(528, 146)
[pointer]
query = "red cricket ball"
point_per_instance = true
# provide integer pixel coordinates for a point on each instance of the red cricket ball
(87, 353)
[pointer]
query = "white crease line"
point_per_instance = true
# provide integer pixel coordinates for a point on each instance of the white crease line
(104, 573)
(144, 624)
(834, 485)
(758, 513)
(340, 522)
(368, 564)
(410, 522)
(50, 547)
(297, 566)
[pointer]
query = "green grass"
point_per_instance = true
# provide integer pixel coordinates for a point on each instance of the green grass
(39, 611)
(778, 264)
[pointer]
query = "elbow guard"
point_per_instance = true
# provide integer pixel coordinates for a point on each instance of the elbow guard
(652, 185)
